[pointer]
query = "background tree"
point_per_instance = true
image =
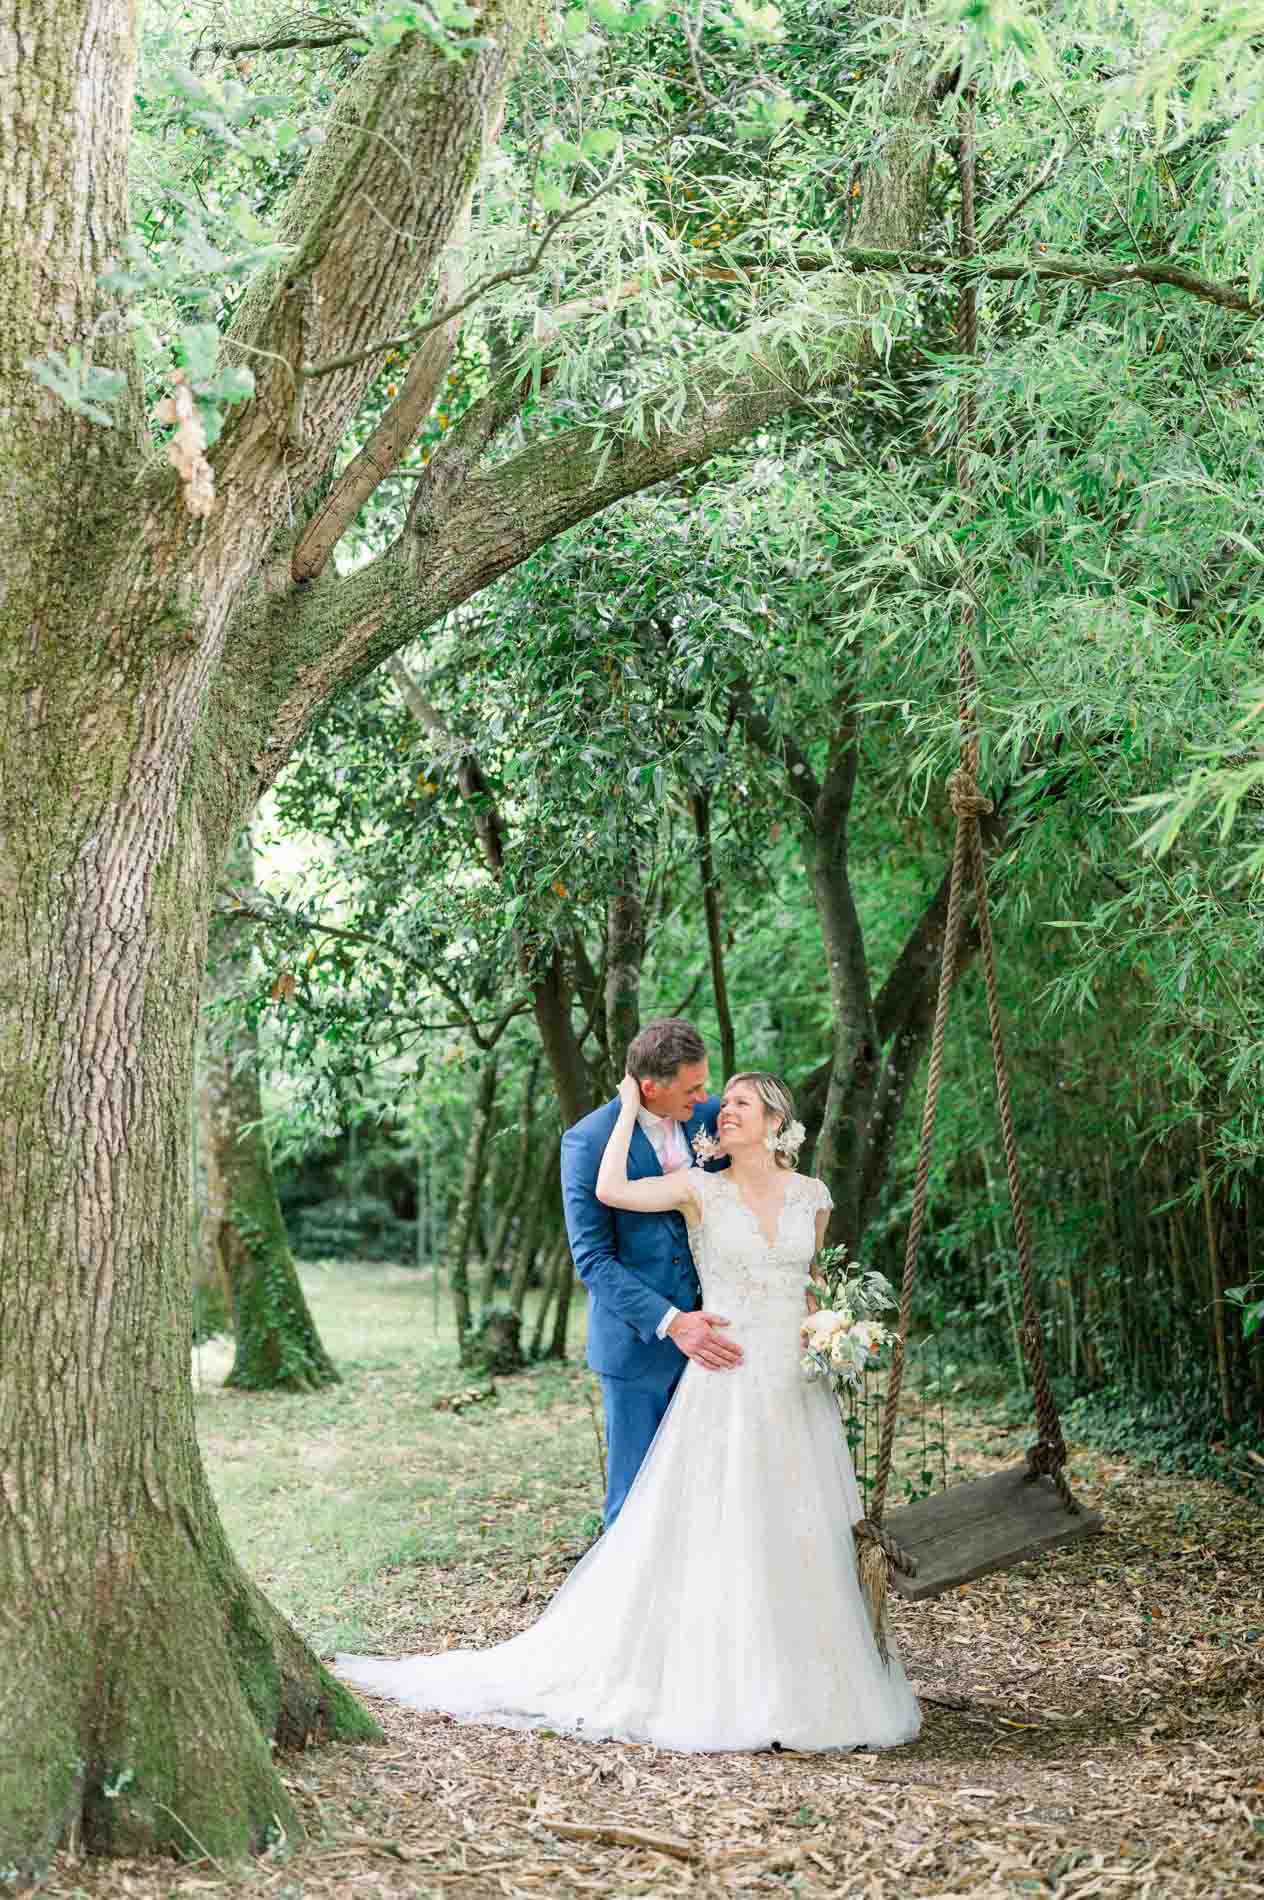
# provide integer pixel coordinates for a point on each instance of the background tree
(243, 1227)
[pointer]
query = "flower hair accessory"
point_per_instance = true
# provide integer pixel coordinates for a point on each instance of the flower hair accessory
(788, 1141)
(705, 1146)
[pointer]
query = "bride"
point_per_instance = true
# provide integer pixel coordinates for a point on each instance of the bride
(721, 1610)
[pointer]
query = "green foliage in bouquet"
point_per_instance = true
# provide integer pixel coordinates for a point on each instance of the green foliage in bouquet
(844, 1338)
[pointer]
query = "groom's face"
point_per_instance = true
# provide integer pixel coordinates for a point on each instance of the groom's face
(676, 1100)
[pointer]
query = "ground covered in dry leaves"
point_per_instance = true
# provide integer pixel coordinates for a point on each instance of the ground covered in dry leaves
(1093, 1721)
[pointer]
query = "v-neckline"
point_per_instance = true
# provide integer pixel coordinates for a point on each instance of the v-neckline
(753, 1217)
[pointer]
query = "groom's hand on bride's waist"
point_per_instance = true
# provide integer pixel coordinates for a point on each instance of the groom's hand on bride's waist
(699, 1338)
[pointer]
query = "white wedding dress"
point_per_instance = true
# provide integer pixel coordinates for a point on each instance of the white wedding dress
(722, 1609)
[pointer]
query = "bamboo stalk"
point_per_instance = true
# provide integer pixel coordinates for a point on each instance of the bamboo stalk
(1217, 1293)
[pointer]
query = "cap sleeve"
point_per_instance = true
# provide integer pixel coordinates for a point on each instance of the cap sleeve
(700, 1183)
(821, 1196)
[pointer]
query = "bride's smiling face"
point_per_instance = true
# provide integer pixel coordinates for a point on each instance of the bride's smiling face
(744, 1121)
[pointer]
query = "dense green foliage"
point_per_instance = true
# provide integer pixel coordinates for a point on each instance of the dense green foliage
(637, 699)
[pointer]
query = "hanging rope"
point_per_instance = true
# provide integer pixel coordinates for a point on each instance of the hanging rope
(877, 1550)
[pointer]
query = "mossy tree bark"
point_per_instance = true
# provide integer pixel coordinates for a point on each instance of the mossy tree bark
(277, 1345)
(156, 671)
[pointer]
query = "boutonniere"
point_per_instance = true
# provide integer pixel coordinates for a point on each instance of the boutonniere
(706, 1147)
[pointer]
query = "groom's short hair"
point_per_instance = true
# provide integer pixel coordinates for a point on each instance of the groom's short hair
(661, 1048)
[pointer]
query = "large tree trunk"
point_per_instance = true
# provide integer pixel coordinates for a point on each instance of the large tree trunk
(144, 1676)
(278, 1347)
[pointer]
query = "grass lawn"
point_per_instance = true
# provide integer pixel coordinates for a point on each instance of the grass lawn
(352, 1505)
(1093, 1720)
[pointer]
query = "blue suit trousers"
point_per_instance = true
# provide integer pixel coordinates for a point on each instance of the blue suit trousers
(633, 1415)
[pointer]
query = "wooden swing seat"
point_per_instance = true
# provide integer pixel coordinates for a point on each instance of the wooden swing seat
(973, 1529)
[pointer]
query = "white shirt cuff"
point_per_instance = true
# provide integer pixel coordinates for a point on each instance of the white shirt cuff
(673, 1312)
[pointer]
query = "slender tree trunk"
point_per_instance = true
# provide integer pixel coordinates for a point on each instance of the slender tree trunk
(549, 1284)
(529, 1244)
(278, 1347)
(212, 1295)
(562, 1307)
(462, 1230)
(496, 1257)
(700, 806)
(551, 1001)
(625, 952)
(1220, 1344)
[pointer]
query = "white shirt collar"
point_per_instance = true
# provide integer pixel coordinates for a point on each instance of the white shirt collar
(659, 1128)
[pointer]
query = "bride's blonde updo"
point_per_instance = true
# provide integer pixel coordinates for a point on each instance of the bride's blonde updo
(787, 1133)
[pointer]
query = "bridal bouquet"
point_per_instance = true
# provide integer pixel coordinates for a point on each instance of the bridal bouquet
(843, 1339)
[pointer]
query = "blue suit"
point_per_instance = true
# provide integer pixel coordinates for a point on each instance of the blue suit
(635, 1266)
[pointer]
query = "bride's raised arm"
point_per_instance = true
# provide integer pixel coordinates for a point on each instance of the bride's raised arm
(656, 1194)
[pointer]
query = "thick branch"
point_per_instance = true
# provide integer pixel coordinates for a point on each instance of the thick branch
(285, 40)
(369, 220)
(450, 313)
(1096, 273)
(467, 531)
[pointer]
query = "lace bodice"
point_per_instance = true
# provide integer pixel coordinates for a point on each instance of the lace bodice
(743, 1276)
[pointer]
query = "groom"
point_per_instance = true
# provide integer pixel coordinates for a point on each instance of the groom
(637, 1268)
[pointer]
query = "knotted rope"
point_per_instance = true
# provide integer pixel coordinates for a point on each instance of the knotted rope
(877, 1551)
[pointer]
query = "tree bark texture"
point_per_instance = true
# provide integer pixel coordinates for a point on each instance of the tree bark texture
(625, 952)
(155, 672)
(144, 1676)
(700, 809)
(277, 1345)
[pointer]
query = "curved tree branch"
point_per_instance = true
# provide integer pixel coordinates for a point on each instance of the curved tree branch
(465, 531)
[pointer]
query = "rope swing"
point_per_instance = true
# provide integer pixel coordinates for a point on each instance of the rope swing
(988, 1525)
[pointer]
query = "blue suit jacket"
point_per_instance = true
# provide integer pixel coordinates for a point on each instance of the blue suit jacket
(634, 1265)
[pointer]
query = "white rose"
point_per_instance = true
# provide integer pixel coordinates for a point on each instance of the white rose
(821, 1326)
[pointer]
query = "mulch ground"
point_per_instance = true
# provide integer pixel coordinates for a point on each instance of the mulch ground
(1093, 1726)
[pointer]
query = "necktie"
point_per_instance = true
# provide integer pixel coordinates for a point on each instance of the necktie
(675, 1152)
